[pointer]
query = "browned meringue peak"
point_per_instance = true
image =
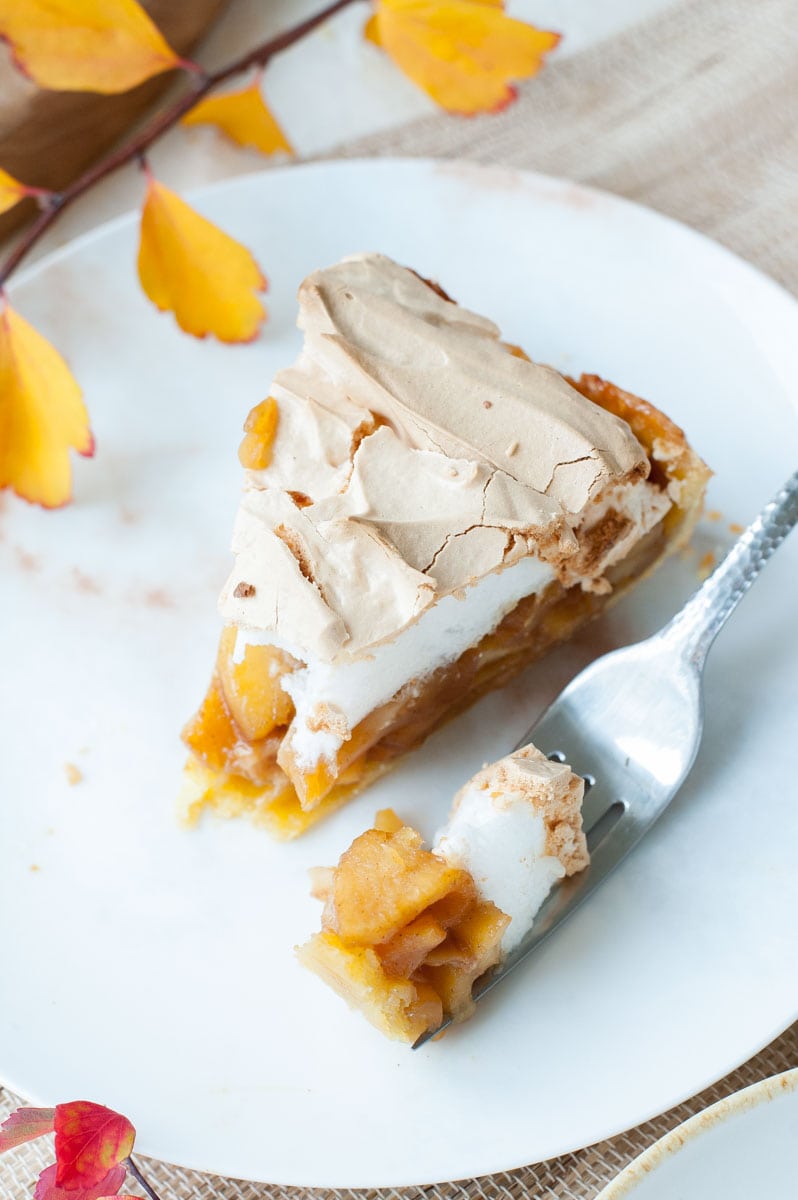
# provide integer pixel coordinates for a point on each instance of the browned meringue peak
(452, 519)
(439, 375)
(409, 527)
(481, 457)
(321, 588)
(527, 770)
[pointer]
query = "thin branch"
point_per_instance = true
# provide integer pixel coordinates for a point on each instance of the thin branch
(139, 1178)
(160, 124)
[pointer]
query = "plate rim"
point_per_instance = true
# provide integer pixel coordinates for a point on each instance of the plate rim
(708, 1119)
(446, 166)
(706, 244)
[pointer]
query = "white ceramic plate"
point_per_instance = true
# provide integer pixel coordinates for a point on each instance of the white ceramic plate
(741, 1147)
(151, 969)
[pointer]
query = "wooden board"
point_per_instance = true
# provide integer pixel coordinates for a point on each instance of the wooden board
(47, 138)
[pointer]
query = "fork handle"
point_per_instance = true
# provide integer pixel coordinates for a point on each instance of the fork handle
(694, 629)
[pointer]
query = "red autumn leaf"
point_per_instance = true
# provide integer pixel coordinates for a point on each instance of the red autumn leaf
(24, 1125)
(89, 1140)
(109, 1185)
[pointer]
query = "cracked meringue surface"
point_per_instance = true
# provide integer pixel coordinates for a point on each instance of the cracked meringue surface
(423, 482)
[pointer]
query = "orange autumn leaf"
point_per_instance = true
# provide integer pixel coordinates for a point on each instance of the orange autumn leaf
(42, 415)
(85, 45)
(188, 266)
(463, 53)
(244, 117)
(90, 1141)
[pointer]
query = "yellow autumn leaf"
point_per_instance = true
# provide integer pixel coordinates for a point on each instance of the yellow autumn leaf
(12, 191)
(42, 415)
(244, 117)
(463, 53)
(188, 266)
(371, 31)
(85, 45)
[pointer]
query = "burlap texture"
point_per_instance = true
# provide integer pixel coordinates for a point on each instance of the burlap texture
(579, 1176)
(693, 113)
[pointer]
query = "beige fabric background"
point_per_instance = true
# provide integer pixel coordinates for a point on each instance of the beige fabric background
(694, 113)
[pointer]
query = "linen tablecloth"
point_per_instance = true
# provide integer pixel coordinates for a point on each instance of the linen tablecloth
(692, 112)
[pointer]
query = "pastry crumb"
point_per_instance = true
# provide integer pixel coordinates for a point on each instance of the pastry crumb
(511, 449)
(706, 565)
(244, 590)
(35, 867)
(159, 598)
(736, 527)
(74, 774)
(714, 514)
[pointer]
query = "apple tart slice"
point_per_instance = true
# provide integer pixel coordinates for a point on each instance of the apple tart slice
(406, 932)
(425, 512)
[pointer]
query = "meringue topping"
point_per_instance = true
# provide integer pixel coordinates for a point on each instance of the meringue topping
(516, 827)
(395, 427)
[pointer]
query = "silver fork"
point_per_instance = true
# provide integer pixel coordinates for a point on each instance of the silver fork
(631, 724)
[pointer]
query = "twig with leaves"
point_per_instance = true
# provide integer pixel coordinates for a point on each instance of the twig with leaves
(263, 125)
(464, 53)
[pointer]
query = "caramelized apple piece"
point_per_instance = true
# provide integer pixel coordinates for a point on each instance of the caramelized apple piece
(383, 881)
(387, 820)
(313, 786)
(211, 733)
(477, 947)
(260, 427)
(398, 917)
(408, 949)
(452, 982)
(481, 933)
(321, 880)
(450, 953)
(454, 906)
(252, 687)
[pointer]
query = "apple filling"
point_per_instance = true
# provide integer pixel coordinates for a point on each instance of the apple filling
(405, 935)
(406, 932)
(399, 554)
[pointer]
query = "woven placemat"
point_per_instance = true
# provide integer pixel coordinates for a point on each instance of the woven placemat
(579, 1176)
(692, 113)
